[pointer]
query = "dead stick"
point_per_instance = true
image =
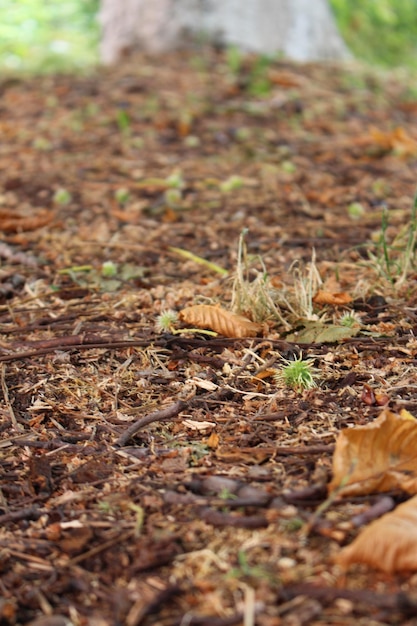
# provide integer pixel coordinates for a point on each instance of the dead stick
(7, 399)
(31, 512)
(158, 416)
(100, 548)
(62, 346)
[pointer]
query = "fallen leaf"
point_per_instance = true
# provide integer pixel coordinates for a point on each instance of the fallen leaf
(378, 457)
(221, 321)
(12, 222)
(283, 78)
(396, 140)
(213, 441)
(75, 539)
(318, 332)
(230, 454)
(335, 299)
(388, 544)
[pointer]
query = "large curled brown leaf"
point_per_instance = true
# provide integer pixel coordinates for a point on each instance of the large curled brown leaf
(12, 222)
(378, 457)
(335, 299)
(389, 544)
(221, 321)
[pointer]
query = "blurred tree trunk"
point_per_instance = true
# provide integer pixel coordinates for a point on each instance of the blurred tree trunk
(300, 29)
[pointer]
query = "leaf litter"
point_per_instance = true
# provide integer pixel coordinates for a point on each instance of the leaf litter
(151, 475)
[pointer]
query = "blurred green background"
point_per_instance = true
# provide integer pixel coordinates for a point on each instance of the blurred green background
(62, 35)
(381, 32)
(48, 35)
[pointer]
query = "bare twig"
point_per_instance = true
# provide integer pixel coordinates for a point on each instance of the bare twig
(30, 513)
(388, 601)
(164, 414)
(7, 399)
(72, 342)
(100, 548)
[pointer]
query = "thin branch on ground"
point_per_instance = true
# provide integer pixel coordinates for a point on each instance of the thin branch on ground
(157, 416)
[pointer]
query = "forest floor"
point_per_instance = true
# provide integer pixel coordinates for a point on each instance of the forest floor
(157, 475)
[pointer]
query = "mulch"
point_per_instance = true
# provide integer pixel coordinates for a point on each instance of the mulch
(166, 478)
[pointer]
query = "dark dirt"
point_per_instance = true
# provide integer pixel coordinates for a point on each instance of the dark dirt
(206, 512)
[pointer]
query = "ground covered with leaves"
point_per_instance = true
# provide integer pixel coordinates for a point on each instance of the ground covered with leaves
(163, 461)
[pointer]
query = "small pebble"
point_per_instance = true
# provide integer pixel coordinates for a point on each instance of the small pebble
(286, 563)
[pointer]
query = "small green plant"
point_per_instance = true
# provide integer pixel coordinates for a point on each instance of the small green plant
(356, 210)
(259, 82)
(255, 297)
(109, 269)
(192, 141)
(62, 197)
(243, 569)
(293, 525)
(243, 134)
(165, 322)
(381, 187)
(175, 180)
(299, 374)
(395, 259)
(42, 144)
(106, 507)
(350, 319)
(307, 281)
(226, 494)
(122, 195)
(139, 517)
(173, 198)
(234, 59)
(231, 183)
(258, 299)
(288, 167)
(123, 122)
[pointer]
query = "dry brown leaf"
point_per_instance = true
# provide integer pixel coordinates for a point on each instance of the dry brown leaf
(15, 223)
(129, 216)
(396, 139)
(75, 539)
(283, 79)
(213, 441)
(335, 299)
(389, 544)
(221, 321)
(378, 457)
(253, 456)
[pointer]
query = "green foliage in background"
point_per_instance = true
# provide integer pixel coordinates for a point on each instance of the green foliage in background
(62, 35)
(48, 35)
(381, 32)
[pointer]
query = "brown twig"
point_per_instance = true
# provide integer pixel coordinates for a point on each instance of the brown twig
(100, 548)
(212, 620)
(7, 399)
(388, 601)
(88, 342)
(31, 512)
(157, 416)
(78, 342)
(219, 519)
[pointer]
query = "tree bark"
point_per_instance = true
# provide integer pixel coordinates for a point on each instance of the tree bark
(302, 30)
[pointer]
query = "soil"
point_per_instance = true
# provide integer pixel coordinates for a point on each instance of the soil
(158, 476)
